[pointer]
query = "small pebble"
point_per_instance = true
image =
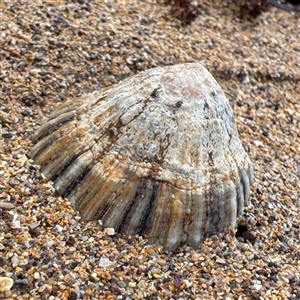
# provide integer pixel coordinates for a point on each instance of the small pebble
(132, 284)
(6, 284)
(105, 262)
(110, 231)
(6, 205)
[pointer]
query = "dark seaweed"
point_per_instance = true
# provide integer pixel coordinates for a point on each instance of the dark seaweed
(253, 8)
(184, 10)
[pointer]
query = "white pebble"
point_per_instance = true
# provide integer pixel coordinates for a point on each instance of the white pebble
(5, 284)
(257, 284)
(110, 231)
(105, 262)
(132, 284)
(15, 260)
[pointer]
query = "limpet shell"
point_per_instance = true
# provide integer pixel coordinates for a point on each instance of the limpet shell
(158, 155)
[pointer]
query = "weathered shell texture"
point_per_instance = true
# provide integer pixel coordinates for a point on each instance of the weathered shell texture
(158, 155)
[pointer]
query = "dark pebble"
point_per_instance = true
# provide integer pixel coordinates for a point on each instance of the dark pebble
(7, 135)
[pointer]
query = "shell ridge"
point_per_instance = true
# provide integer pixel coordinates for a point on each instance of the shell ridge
(72, 171)
(199, 212)
(85, 191)
(76, 149)
(239, 192)
(73, 148)
(66, 107)
(175, 225)
(138, 213)
(246, 185)
(48, 127)
(65, 188)
(156, 229)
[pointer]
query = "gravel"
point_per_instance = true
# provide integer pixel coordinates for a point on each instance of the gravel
(59, 49)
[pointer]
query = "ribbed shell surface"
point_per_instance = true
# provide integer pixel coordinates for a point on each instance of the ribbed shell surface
(158, 154)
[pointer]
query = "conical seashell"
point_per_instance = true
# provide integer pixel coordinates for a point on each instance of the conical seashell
(158, 154)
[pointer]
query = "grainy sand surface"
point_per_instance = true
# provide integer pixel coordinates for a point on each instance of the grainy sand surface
(54, 50)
